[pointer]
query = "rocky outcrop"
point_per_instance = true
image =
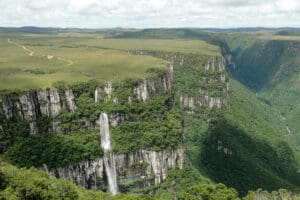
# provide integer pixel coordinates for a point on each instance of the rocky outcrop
(142, 91)
(142, 168)
(116, 119)
(215, 64)
(143, 164)
(44, 101)
(221, 147)
(212, 102)
(87, 173)
(217, 102)
(149, 87)
(70, 99)
(31, 105)
(7, 108)
(215, 68)
(55, 103)
(187, 101)
(28, 105)
(215, 92)
(108, 90)
(97, 94)
(28, 102)
(49, 101)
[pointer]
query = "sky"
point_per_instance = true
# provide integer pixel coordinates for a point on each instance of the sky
(150, 13)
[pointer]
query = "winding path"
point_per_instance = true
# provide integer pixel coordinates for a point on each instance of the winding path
(30, 53)
(70, 62)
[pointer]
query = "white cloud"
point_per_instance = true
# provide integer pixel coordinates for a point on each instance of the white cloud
(150, 13)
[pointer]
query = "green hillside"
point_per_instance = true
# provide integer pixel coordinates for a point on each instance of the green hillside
(269, 64)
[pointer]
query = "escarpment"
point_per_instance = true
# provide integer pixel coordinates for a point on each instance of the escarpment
(198, 81)
(145, 117)
(213, 89)
(139, 169)
(196, 84)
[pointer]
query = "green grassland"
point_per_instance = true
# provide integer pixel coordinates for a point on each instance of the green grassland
(37, 61)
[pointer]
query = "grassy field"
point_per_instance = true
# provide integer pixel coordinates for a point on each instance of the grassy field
(38, 61)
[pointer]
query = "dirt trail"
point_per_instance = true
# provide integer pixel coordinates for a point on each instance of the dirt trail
(30, 53)
(70, 62)
(28, 50)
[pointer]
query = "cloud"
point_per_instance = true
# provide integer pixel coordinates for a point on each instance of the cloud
(150, 13)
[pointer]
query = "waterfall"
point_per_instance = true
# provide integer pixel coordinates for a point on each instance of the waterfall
(109, 160)
(96, 95)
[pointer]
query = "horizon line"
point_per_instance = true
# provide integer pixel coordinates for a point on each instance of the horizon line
(120, 27)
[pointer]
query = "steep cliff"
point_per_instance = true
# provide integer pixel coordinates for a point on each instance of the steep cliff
(207, 96)
(145, 117)
(270, 67)
(31, 105)
(197, 80)
(134, 170)
(210, 88)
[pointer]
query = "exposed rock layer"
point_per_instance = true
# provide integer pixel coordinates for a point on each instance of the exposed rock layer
(142, 168)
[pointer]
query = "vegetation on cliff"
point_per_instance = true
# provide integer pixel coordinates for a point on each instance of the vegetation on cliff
(241, 145)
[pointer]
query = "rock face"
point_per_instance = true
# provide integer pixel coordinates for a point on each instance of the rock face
(44, 101)
(85, 173)
(208, 97)
(215, 64)
(142, 168)
(97, 94)
(49, 102)
(32, 105)
(144, 163)
(70, 100)
(55, 103)
(142, 91)
(170, 74)
(28, 103)
(187, 101)
(7, 108)
(108, 90)
(116, 119)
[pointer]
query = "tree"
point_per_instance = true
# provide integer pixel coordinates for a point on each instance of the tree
(211, 192)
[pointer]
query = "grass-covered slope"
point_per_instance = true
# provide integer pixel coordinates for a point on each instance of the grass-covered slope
(245, 150)
(241, 146)
(262, 59)
(270, 65)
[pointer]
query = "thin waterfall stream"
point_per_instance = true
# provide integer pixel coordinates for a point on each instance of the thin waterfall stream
(109, 159)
